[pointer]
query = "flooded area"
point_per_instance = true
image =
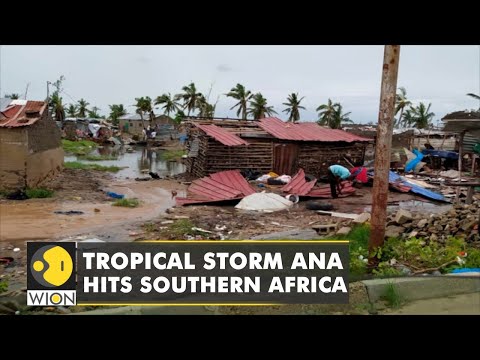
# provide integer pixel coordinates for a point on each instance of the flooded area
(36, 219)
(136, 162)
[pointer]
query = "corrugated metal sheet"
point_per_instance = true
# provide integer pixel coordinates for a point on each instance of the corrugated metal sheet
(306, 131)
(234, 179)
(225, 185)
(324, 191)
(4, 102)
(469, 141)
(396, 179)
(221, 135)
(472, 126)
(25, 115)
(298, 185)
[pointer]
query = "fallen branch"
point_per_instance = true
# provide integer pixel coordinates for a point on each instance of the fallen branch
(435, 268)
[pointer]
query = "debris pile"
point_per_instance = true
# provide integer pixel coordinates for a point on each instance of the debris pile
(460, 221)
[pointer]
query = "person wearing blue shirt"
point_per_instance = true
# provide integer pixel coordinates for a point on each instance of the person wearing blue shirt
(336, 174)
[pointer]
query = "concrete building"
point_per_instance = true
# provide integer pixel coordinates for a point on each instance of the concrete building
(30, 147)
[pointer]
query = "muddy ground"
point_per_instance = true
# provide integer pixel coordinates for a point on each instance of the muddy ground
(85, 191)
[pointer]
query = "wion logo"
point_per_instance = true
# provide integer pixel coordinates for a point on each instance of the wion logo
(51, 274)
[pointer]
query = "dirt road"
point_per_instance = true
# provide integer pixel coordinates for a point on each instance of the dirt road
(35, 219)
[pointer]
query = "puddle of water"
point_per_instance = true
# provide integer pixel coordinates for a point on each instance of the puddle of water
(416, 206)
(138, 163)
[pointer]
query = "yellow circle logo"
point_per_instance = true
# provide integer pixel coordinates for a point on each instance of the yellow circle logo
(51, 266)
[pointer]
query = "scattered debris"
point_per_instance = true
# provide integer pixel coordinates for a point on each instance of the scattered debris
(344, 230)
(115, 195)
(317, 205)
(453, 174)
(362, 218)
(338, 214)
(69, 212)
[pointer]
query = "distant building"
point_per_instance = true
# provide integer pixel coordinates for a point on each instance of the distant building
(132, 123)
(30, 147)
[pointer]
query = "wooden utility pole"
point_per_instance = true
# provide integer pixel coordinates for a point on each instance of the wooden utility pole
(383, 147)
(460, 164)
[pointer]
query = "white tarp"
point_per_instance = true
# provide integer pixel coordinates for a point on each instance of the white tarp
(266, 202)
(94, 129)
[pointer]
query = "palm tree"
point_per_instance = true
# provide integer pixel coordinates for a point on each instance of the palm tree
(258, 107)
(239, 93)
(332, 115)
(12, 96)
(93, 113)
(189, 97)
(409, 117)
(72, 110)
(206, 109)
(340, 117)
(144, 105)
(116, 111)
(293, 108)
(169, 103)
(401, 103)
(326, 114)
(57, 106)
(475, 96)
(422, 116)
(82, 108)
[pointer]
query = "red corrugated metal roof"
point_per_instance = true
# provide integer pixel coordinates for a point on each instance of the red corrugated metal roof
(225, 185)
(222, 135)
(302, 187)
(234, 179)
(306, 131)
(324, 191)
(298, 185)
(23, 115)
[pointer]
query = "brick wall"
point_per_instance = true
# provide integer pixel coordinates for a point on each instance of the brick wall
(43, 135)
(13, 158)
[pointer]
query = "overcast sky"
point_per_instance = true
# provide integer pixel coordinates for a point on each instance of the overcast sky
(350, 75)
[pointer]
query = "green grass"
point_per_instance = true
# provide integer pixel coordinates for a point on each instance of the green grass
(82, 147)
(3, 286)
(99, 157)
(82, 166)
(392, 296)
(150, 227)
(131, 203)
(168, 155)
(39, 193)
(182, 227)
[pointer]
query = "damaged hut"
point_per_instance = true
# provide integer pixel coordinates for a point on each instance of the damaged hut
(30, 148)
(268, 145)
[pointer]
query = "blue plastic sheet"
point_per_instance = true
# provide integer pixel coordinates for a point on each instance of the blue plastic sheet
(115, 195)
(441, 153)
(394, 177)
(414, 162)
(464, 270)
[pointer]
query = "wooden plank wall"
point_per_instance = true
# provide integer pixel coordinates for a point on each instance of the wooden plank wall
(315, 158)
